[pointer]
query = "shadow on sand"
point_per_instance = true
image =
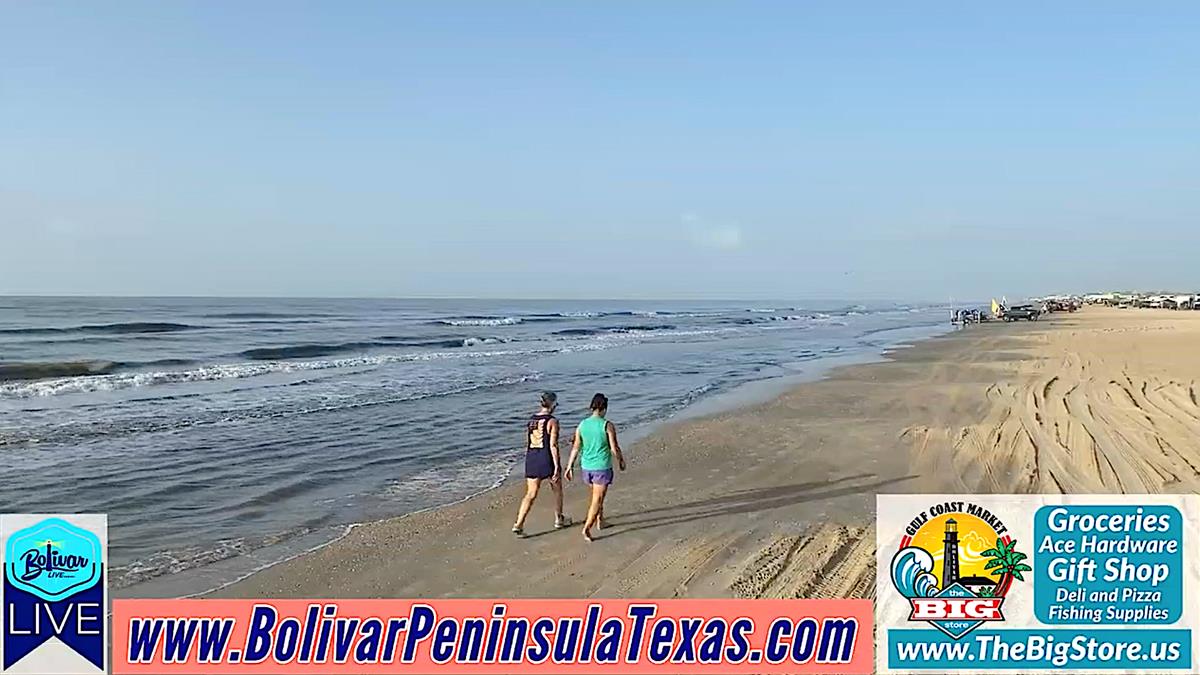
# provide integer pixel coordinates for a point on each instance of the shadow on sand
(746, 501)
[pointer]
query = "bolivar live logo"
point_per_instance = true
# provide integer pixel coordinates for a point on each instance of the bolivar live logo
(53, 594)
(956, 564)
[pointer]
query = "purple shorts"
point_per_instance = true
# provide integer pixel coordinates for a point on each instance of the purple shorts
(602, 477)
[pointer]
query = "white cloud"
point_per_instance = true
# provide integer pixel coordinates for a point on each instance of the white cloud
(719, 237)
(722, 238)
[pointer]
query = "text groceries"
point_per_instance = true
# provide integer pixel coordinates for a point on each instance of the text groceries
(485, 636)
(1109, 564)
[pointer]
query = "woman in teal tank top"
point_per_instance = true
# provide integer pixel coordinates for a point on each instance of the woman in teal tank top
(595, 446)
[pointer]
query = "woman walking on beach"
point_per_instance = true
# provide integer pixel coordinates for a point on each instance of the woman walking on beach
(541, 463)
(595, 445)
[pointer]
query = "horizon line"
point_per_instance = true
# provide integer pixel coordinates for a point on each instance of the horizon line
(453, 297)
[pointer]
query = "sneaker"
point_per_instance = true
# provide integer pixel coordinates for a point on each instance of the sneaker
(519, 531)
(562, 521)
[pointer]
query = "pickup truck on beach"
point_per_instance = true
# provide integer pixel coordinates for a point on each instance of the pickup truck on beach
(1018, 312)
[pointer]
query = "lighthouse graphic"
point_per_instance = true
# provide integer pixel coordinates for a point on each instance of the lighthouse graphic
(975, 573)
(950, 554)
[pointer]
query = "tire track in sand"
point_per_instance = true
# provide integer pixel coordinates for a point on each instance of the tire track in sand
(828, 561)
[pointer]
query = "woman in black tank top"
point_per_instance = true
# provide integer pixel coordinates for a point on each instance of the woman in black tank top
(541, 463)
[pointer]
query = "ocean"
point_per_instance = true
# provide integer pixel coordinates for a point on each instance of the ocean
(222, 435)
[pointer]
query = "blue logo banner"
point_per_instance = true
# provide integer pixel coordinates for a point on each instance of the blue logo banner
(53, 587)
(78, 622)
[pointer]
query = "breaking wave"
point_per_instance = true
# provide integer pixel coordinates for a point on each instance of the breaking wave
(559, 316)
(471, 342)
(85, 368)
(37, 371)
(582, 332)
(481, 321)
(306, 351)
(267, 409)
(113, 328)
(124, 380)
(262, 315)
(636, 312)
(262, 362)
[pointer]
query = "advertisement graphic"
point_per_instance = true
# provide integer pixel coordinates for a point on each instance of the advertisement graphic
(492, 636)
(54, 594)
(957, 593)
(1027, 583)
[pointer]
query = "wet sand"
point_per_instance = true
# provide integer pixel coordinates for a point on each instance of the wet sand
(776, 500)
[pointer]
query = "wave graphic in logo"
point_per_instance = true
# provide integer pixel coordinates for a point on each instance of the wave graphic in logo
(912, 573)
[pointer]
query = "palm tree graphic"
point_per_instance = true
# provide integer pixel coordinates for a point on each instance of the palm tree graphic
(1005, 559)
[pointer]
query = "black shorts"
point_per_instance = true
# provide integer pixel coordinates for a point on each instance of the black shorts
(538, 463)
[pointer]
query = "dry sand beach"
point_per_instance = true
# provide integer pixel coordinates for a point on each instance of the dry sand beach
(776, 500)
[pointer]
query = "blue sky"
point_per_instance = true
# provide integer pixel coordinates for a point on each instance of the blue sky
(608, 149)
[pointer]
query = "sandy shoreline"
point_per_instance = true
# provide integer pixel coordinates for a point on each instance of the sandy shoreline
(776, 500)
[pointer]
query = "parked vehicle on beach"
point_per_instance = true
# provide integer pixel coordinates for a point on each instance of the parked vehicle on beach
(1061, 305)
(1018, 312)
(1151, 302)
(967, 316)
